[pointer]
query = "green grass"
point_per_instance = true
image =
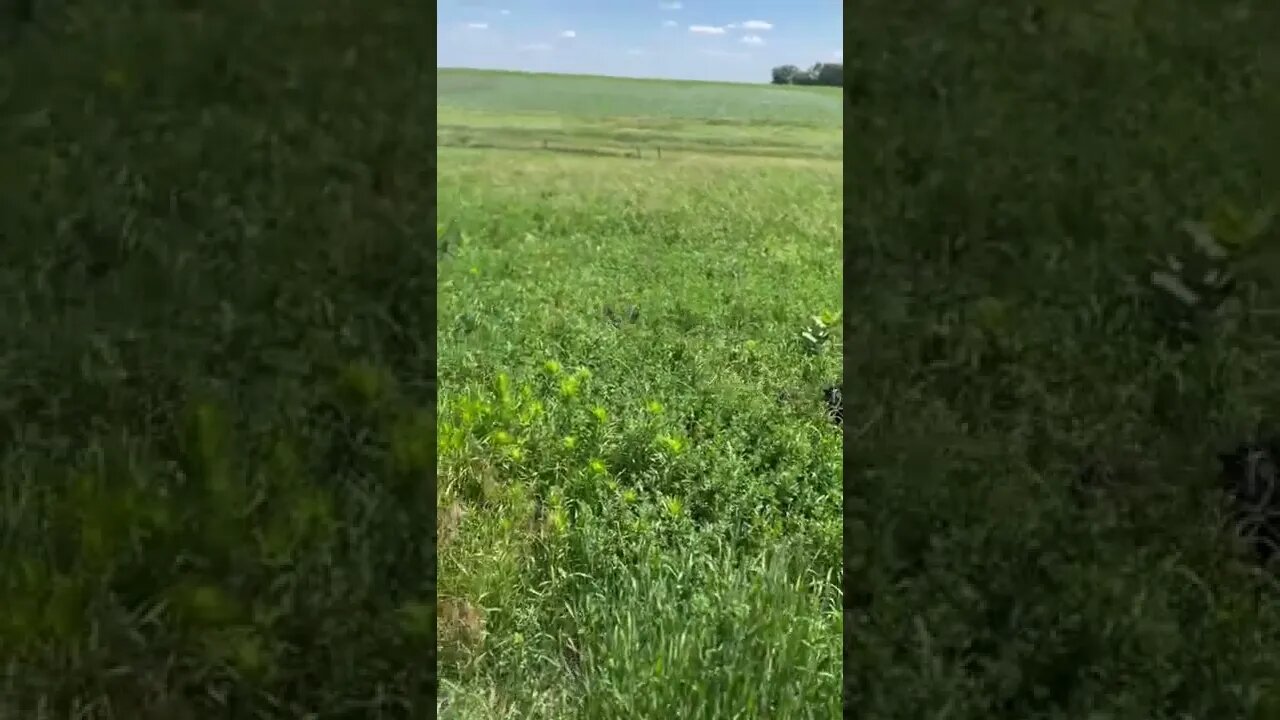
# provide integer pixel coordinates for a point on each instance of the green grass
(639, 490)
(644, 119)
(592, 96)
(1013, 168)
(643, 137)
(217, 388)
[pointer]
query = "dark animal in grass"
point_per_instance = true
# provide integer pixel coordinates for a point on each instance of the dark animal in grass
(1249, 475)
(834, 399)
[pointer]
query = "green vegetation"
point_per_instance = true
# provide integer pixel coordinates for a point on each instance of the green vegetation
(666, 101)
(643, 138)
(828, 74)
(639, 490)
(216, 389)
(1033, 526)
(644, 119)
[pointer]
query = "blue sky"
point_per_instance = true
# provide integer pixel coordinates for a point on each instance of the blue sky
(733, 40)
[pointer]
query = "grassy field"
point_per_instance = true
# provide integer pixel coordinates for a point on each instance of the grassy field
(639, 489)
(216, 372)
(666, 101)
(635, 118)
(1033, 527)
(219, 425)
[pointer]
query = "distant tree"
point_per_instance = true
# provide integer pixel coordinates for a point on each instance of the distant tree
(803, 77)
(820, 74)
(784, 74)
(829, 74)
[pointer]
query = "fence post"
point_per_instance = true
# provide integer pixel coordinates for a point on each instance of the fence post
(659, 152)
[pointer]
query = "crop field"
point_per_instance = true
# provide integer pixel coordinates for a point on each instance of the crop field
(1034, 525)
(639, 485)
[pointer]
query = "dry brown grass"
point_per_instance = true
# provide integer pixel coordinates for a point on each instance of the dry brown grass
(460, 628)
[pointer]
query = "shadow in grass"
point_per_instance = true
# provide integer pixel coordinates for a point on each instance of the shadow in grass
(645, 154)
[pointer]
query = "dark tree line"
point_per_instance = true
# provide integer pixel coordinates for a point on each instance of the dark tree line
(831, 74)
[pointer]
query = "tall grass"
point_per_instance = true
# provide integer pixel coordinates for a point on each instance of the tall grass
(217, 386)
(639, 479)
(1032, 517)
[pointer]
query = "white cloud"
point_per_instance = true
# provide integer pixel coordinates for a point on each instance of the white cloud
(670, 5)
(706, 30)
(536, 47)
(635, 51)
(504, 12)
(669, 23)
(568, 34)
(757, 25)
(478, 26)
(732, 25)
(753, 40)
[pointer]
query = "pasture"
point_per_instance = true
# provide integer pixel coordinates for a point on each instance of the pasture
(639, 489)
